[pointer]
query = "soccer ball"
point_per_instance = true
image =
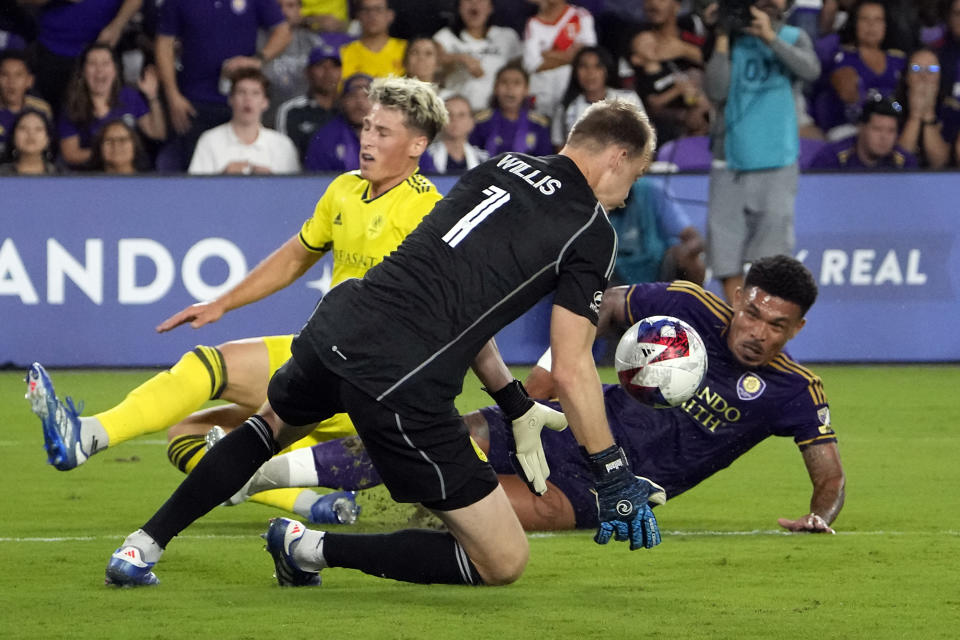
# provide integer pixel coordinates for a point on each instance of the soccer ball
(661, 361)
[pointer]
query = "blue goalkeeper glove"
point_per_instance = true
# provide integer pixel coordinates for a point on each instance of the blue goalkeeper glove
(623, 501)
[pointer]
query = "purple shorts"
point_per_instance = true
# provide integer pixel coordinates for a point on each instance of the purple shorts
(568, 470)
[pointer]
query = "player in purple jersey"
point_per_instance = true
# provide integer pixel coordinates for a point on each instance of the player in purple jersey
(752, 390)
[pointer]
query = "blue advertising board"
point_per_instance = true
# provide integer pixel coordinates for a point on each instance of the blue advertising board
(90, 265)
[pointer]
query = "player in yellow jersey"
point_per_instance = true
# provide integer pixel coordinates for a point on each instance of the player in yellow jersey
(362, 217)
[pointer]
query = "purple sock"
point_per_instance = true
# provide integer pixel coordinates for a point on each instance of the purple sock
(344, 464)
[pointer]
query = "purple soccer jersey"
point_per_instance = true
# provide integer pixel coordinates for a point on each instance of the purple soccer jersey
(843, 155)
(734, 409)
(210, 33)
(333, 147)
(129, 108)
(498, 134)
(884, 83)
(65, 28)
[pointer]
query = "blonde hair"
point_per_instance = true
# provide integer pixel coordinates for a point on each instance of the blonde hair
(615, 123)
(422, 108)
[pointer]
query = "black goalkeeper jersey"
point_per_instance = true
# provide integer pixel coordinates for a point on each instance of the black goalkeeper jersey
(511, 231)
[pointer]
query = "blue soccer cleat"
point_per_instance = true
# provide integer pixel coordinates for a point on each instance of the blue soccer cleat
(339, 507)
(127, 568)
(282, 533)
(61, 422)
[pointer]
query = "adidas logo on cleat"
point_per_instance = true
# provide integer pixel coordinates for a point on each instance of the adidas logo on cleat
(131, 555)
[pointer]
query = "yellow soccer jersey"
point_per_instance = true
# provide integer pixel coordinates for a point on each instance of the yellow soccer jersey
(357, 58)
(335, 8)
(361, 232)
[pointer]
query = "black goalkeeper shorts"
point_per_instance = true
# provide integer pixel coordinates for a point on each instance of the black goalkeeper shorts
(434, 463)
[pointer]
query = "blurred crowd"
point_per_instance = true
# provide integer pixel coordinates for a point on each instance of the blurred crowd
(279, 86)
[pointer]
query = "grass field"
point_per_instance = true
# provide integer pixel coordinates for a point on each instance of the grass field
(723, 570)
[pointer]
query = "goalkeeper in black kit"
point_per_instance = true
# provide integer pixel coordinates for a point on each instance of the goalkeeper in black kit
(392, 350)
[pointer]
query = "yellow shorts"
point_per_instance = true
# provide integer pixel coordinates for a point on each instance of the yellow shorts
(338, 426)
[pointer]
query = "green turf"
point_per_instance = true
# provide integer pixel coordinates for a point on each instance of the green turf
(723, 571)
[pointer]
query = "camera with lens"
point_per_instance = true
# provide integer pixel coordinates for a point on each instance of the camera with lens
(734, 15)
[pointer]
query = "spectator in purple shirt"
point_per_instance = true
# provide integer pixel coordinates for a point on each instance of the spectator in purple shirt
(216, 39)
(96, 96)
(875, 145)
(859, 70)
(336, 145)
(65, 29)
(922, 132)
(510, 125)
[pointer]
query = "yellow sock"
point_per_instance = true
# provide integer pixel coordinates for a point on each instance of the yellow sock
(184, 452)
(168, 397)
(279, 498)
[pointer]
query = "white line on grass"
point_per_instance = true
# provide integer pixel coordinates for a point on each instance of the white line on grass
(545, 534)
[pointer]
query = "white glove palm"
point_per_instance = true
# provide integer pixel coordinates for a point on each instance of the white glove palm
(529, 460)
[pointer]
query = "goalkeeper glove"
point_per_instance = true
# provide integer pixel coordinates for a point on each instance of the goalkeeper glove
(623, 501)
(528, 418)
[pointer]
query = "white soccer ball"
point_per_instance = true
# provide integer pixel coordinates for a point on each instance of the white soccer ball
(661, 361)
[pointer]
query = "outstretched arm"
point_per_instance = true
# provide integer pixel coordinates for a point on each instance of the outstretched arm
(576, 379)
(622, 498)
(275, 272)
(826, 474)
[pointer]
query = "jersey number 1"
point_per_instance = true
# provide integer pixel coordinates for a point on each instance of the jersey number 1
(496, 198)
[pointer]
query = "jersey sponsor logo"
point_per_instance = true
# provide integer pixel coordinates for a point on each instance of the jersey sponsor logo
(546, 184)
(710, 410)
(750, 386)
(355, 259)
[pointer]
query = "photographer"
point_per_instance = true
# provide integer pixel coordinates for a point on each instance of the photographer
(753, 78)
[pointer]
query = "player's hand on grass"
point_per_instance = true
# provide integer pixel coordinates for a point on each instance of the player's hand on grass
(196, 314)
(810, 523)
(528, 419)
(623, 501)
